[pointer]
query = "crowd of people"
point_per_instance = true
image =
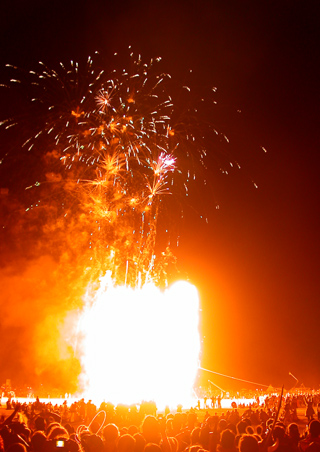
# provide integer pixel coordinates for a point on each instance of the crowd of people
(83, 427)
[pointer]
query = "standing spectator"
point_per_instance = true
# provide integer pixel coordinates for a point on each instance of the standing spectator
(248, 443)
(312, 437)
(309, 410)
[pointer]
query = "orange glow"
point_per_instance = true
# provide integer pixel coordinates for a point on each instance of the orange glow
(170, 131)
(114, 126)
(77, 113)
(140, 344)
(133, 201)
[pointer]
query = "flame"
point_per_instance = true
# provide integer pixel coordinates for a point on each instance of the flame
(140, 344)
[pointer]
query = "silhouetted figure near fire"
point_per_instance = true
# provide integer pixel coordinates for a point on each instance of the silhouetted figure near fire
(227, 442)
(126, 443)
(91, 411)
(151, 430)
(140, 442)
(312, 437)
(309, 409)
(154, 433)
(38, 441)
(281, 440)
(294, 436)
(91, 442)
(110, 434)
(248, 443)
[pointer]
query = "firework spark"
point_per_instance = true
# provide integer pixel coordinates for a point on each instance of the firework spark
(103, 99)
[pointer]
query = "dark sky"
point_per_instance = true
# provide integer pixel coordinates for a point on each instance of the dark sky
(256, 262)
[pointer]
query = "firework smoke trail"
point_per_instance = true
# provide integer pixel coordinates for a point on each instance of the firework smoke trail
(111, 147)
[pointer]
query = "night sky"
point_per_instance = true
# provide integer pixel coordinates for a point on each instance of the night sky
(256, 263)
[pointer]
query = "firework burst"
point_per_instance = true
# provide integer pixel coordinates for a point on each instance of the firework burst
(110, 148)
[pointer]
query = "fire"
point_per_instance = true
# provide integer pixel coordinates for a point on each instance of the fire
(140, 344)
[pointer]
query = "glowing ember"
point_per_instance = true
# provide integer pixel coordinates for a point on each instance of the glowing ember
(140, 344)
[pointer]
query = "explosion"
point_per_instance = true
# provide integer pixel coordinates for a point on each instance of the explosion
(140, 344)
(106, 168)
